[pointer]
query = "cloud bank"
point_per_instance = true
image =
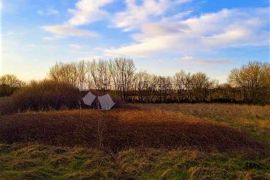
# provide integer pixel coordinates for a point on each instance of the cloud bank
(223, 29)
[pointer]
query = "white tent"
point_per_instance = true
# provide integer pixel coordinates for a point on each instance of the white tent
(106, 102)
(89, 98)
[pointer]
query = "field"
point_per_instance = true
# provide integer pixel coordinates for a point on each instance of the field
(145, 141)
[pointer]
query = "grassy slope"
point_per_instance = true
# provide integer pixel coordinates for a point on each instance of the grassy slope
(249, 118)
(40, 161)
(50, 162)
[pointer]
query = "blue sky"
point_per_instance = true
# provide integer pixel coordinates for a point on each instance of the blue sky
(161, 36)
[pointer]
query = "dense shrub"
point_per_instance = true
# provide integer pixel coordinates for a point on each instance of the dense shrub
(43, 95)
(6, 90)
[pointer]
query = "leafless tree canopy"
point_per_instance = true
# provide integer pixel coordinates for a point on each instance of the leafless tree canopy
(251, 83)
(248, 84)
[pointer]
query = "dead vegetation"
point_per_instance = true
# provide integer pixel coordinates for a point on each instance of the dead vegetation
(253, 119)
(123, 129)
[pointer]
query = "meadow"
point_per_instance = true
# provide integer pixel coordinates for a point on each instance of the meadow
(143, 141)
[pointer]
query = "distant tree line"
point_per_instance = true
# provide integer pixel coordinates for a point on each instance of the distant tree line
(248, 84)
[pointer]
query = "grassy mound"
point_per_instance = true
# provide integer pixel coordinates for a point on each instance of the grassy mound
(22, 161)
(122, 129)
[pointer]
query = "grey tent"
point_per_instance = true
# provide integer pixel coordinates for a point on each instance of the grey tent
(89, 98)
(106, 102)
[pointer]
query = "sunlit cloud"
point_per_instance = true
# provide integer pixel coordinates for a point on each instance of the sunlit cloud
(196, 61)
(66, 30)
(136, 15)
(85, 12)
(88, 11)
(222, 29)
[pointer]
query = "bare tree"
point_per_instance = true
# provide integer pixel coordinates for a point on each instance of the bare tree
(64, 73)
(200, 86)
(11, 80)
(100, 74)
(253, 79)
(82, 74)
(179, 80)
(142, 84)
(122, 71)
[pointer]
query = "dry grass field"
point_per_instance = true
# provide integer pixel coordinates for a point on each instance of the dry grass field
(253, 119)
(169, 141)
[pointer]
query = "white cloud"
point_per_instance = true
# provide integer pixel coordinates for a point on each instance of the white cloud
(192, 60)
(88, 11)
(85, 12)
(135, 15)
(48, 12)
(222, 29)
(66, 30)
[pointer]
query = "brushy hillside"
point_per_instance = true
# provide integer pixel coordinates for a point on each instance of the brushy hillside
(122, 129)
(34, 161)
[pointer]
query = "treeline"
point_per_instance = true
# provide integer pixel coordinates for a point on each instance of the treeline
(249, 84)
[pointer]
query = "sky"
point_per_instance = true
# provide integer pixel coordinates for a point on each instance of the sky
(161, 36)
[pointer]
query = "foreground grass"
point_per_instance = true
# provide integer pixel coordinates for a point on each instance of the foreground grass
(34, 161)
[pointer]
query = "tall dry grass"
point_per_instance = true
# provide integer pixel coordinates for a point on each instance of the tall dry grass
(122, 129)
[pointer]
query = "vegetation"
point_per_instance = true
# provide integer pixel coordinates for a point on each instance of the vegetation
(150, 141)
(35, 161)
(9, 84)
(122, 129)
(249, 84)
(43, 95)
(138, 141)
(254, 81)
(253, 119)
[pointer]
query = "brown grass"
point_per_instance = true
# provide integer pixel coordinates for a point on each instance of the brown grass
(252, 119)
(122, 129)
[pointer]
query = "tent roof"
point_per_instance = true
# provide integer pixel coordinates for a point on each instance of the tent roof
(89, 98)
(106, 102)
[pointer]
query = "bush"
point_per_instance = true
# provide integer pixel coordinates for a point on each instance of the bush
(44, 95)
(6, 90)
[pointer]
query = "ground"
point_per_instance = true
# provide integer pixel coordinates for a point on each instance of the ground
(167, 141)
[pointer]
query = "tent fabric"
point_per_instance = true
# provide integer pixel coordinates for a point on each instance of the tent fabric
(89, 98)
(106, 102)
